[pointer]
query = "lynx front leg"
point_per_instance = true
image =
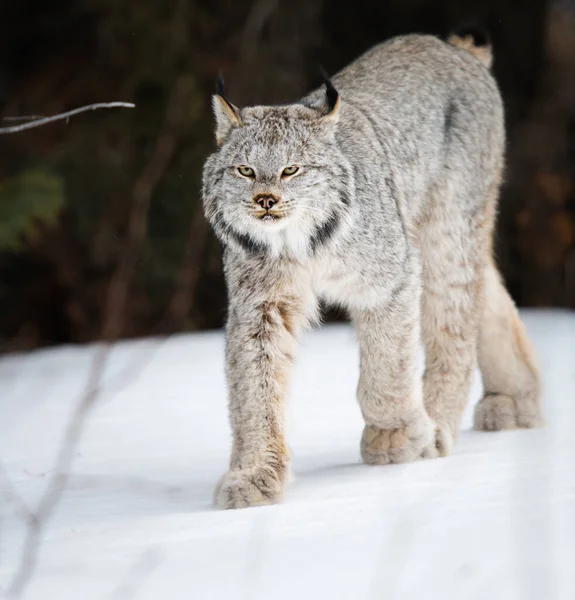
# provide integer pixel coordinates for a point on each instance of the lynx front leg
(389, 392)
(261, 343)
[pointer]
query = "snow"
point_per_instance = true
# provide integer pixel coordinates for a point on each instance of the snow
(496, 520)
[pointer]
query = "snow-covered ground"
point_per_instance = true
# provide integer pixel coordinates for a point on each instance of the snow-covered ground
(494, 521)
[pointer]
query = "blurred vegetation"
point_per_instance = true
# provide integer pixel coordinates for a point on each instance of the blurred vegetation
(28, 201)
(66, 189)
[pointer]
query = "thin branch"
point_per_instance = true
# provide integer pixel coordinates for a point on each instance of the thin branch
(13, 497)
(24, 118)
(134, 579)
(65, 115)
(259, 15)
(35, 521)
(144, 189)
(188, 274)
(57, 483)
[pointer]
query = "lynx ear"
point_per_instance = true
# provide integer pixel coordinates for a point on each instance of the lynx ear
(227, 115)
(332, 99)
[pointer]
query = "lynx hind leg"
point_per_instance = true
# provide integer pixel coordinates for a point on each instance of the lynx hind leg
(510, 378)
(450, 312)
(454, 250)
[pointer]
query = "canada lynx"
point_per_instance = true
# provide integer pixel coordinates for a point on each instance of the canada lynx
(379, 195)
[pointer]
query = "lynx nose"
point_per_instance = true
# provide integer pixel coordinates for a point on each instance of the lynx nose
(266, 201)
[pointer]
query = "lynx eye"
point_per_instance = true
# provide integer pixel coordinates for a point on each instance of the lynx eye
(289, 171)
(246, 171)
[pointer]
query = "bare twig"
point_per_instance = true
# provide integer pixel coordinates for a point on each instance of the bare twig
(131, 372)
(259, 15)
(37, 520)
(25, 118)
(144, 189)
(189, 271)
(66, 115)
(13, 498)
(57, 483)
(144, 567)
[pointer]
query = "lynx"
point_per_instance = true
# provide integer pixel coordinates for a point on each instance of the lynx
(376, 193)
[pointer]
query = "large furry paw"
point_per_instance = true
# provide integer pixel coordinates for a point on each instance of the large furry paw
(242, 488)
(498, 411)
(420, 439)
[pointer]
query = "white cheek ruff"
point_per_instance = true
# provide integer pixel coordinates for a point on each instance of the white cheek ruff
(298, 236)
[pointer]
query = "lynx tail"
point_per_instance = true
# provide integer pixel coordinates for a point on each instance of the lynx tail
(475, 41)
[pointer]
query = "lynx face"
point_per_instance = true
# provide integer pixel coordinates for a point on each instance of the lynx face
(277, 178)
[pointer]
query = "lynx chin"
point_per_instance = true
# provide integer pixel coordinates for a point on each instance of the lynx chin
(377, 193)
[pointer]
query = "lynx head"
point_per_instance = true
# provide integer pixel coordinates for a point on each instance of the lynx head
(278, 183)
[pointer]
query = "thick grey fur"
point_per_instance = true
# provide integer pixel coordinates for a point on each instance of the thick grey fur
(390, 216)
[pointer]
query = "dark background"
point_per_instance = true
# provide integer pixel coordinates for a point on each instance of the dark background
(73, 193)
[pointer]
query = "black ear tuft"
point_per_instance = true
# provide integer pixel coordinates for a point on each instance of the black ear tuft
(220, 85)
(220, 91)
(331, 94)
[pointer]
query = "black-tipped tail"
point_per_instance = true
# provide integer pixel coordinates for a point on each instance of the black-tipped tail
(475, 40)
